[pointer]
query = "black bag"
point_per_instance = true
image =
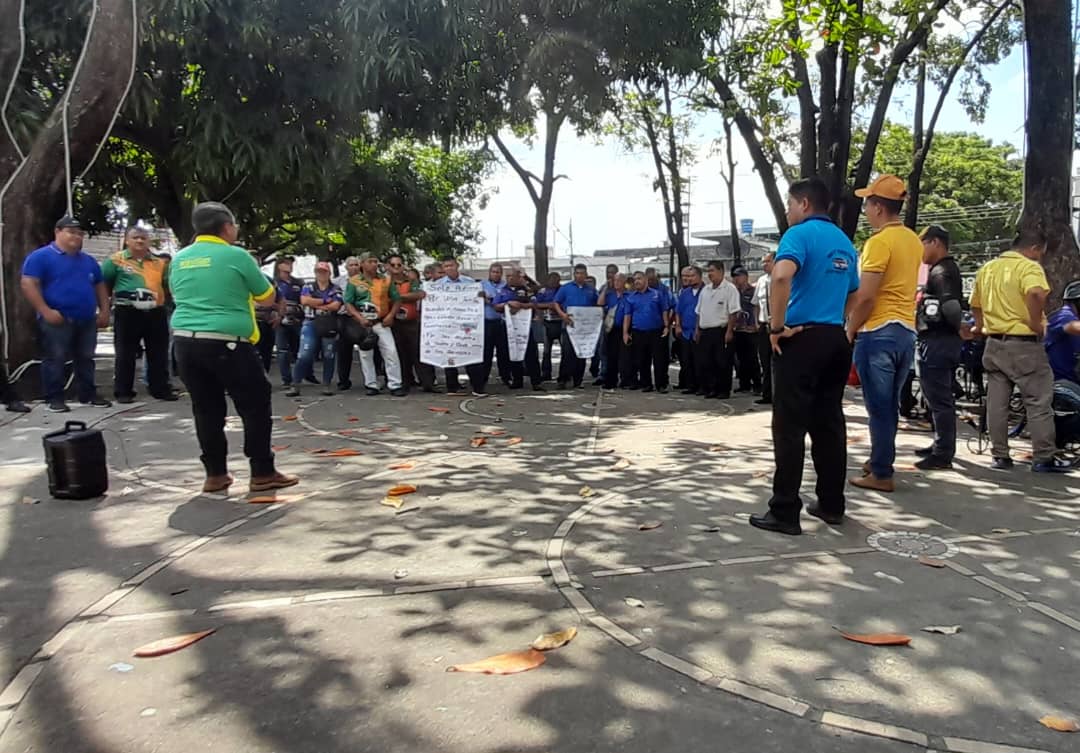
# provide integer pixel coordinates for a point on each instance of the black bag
(326, 325)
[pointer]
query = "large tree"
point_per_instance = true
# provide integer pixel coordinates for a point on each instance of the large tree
(56, 141)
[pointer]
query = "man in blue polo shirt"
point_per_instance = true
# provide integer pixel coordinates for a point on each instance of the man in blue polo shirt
(66, 288)
(645, 331)
(814, 275)
(496, 346)
(685, 326)
(577, 292)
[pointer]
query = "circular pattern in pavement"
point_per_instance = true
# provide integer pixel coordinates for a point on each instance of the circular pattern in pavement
(911, 544)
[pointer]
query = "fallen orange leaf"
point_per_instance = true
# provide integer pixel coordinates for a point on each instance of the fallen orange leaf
(263, 500)
(477, 441)
(931, 562)
(401, 490)
(382, 429)
(353, 419)
(550, 641)
(169, 645)
(650, 525)
(760, 474)
(495, 432)
(347, 432)
(503, 664)
(401, 466)
(1059, 724)
(280, 447)
(434, 409)
(514, 440)
(318, 451)
(288, 418)
(342, 454)
(878, 639)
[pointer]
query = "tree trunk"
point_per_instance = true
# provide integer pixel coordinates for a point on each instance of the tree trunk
(678, 240)
(1048, 167)
(36, 195)
(736, 247)
(911, 216)
(807, 113)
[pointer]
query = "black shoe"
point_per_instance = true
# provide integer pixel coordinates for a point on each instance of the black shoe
(310, 378)
(125, 399)
(399, 392)
(168, 397)
(924, 452)
(712, 395)
(515, 386)
(372, 392)
(58, 406)
(597, 382)
(647, 389)
(578, 385)
(18, 406)
(663, 390)
(97, 402)
(763, 401)
(538, 388)
(631, 387)
(934, 463)
(757, 391)
(742, 390)
(723, 395)
(1002, 464)
(344, 386)
(293, 391)
(769, 522)
(432, 390)
(479, 394)
(562, 384)
(688, 392)
(831, 518)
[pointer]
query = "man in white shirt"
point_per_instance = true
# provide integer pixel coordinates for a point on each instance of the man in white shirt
(718, 310)
(762, 313)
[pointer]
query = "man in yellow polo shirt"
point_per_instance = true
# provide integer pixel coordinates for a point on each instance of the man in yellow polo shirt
(1008, 302)
(215, 286)
(882, 322)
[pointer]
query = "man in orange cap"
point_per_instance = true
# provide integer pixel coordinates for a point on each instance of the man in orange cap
(883, 320)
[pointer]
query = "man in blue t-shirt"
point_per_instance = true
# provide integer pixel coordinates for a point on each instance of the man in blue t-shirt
(1063, 335)
(66, 288)
(685, 326)
(814, 275)
(577, 292)
(645, 331)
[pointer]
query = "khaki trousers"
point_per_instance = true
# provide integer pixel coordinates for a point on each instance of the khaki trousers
(1021, 363)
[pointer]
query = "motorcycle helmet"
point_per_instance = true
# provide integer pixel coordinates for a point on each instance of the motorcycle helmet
(1072, 292)
(369, 340)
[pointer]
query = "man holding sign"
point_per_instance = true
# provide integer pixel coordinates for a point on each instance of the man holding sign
(514, 302)
(575, 294)
(452, 327)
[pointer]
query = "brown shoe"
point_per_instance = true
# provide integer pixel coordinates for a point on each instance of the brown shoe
(217, 483)
(870, 481)
(277, 481)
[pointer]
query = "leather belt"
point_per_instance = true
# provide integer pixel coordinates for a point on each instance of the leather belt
(209, 336)
(1022, 338)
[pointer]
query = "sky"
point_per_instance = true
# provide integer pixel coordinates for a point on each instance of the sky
(609, 202)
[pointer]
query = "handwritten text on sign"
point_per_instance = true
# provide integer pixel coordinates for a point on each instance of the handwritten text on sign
(452, 325)
(518, 326)
(588, 321)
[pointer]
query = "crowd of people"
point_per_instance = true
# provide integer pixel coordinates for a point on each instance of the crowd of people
(790, 337)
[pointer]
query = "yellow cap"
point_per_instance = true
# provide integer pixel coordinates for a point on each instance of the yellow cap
(885, 187)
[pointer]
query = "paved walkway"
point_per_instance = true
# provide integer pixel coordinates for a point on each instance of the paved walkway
(337, 616)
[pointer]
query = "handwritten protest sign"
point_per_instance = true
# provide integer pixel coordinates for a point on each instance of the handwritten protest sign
(588, 321)
(518, 326)
(452, 325)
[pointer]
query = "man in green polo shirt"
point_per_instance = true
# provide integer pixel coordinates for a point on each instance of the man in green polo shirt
(215, 285)
(136, 279)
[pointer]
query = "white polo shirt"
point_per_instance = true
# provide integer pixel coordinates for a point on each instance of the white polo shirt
(763, 297)
(716, 304)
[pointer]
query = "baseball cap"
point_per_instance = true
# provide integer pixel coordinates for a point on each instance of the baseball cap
(67, 221)
(322, 266)
(936, 232)
(885, 187)
(735, 272)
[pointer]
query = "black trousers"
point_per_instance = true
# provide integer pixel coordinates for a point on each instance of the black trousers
(688, 370)
(348, 335)
(618, 360)
(765, 354)
(746, 353)
(530, 367)
(808, 398)
(552, 333)
(496, 348)
(939, 357)
(265, 346)
(211, 369)
(7, 391)
(647, 348)
(714, 362)
(131, 327)
(476, 378)
(571, 368)
(407, 338)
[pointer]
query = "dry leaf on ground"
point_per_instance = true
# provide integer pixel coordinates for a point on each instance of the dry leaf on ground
(586, 491)
(717, 448)
(877, 639)
(395, 502)
(621, 465)
(400, 490)
(514, 440)
(289, 418)
(169, 645)
(477, 441)
(353, 419)
(649, 525)
(347, 432)
(503, 664)
(318, 451)
(266, 500)
(279, 447)
(381, 430)
(435, 409)
(1060, 724)
(495, 432)
(632, 602)
(760, 474)
(942, 629)
(345, 453)
(931, 562)
(401, 466)
(550, 641)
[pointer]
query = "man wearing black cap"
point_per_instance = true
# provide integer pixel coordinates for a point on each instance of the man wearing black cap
(746, 330)
(66, 288)
(215, 285)
(938, 320)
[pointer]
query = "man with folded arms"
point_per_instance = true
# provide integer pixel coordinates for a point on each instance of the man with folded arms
(214, 284)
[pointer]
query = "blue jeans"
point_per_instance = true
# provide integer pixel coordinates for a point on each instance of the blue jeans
(75, 340)
(309, 344)
(883, 360)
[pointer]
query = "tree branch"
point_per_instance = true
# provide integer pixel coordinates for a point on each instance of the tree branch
(526, 177)
(807, 110)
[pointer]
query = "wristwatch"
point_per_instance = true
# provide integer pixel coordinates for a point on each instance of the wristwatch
(776, 330)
